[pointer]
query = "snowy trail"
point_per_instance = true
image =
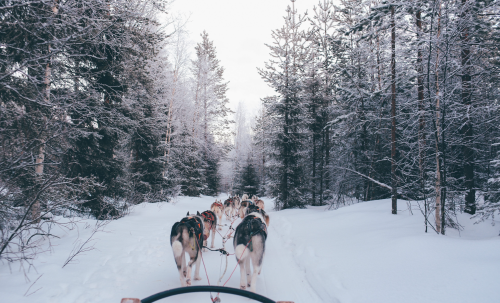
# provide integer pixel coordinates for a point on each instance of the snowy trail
(281, 278)
(133, 258)
(357, 254)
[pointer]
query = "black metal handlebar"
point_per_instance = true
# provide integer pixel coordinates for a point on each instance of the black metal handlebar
(207, 288)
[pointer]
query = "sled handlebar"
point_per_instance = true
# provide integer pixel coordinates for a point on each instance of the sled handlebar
(203, 288)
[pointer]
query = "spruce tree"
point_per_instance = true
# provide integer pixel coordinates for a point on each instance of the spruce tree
(210, 117)
(283, 74)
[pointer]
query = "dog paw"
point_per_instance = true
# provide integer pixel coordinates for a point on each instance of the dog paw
(212, 246)
(188, 282)
(243, 287)
(197, 278)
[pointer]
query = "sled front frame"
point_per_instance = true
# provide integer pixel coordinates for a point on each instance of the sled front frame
(203, 288)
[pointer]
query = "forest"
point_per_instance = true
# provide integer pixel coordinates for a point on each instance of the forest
(102, 108)
(384, 99)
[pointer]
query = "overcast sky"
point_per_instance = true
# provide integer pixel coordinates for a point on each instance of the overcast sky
(239, 30)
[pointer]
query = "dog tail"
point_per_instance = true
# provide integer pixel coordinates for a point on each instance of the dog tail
(241, 253)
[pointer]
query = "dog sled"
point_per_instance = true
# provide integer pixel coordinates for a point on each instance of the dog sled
(203, 288)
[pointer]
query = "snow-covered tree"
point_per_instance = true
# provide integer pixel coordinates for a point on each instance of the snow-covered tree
(283, 73)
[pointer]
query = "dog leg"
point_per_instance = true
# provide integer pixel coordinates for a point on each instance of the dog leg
(197, 271)
(184, 272)
(213, 237)
(181, 277)
(179, 260)
(243, 284)
(260, 266)
(181, 267)
(248, 271)
(189, 269)
(256, 272)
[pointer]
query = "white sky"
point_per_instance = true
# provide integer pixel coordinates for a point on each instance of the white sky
(239, 30)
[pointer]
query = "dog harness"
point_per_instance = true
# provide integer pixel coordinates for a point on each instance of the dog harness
(209, 216)
(253, 208)
(230, 201)
(255, 225)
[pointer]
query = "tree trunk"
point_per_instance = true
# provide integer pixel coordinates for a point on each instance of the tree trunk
(421, 116)
(466, 130)
(169, 116)
(439, 222)
(394, 191)
(314, 170)
(35, 210)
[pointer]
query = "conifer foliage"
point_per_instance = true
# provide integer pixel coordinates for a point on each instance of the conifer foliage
(380, 99)
(283, 74)
(99, 110)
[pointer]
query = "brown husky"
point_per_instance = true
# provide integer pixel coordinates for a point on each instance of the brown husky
(218, 209)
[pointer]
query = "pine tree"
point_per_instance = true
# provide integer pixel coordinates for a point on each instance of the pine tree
(283, 74)
(249, 180)
(211, 111)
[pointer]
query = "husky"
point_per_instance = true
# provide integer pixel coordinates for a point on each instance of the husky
(210, 224)
(260, 203)
(245, 202)
(187, 237)
(229, 208)
(256, 209)
(236, 202)
(249, 244)
(218, 209)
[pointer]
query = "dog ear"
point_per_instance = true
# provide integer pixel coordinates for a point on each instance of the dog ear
(198, 213)
(187, 213)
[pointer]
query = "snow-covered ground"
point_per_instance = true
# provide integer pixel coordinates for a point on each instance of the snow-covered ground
(360, 253)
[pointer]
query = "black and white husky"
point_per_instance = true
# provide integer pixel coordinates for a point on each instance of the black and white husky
(187, 237)
(250, 244)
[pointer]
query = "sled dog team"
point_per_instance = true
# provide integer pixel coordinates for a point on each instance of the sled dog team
(190, 236)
